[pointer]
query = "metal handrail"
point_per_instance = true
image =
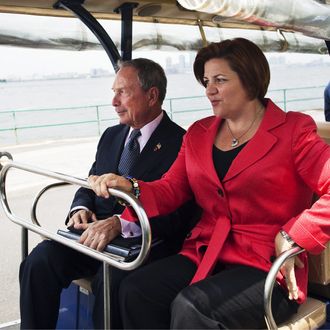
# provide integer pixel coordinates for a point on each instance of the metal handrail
(135, 203)
(5, 154)
(270, 282)
(33, 212)
(172, 110)
(107, 259)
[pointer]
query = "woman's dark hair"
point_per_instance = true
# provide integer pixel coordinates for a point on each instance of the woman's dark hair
(150, 74)
(244, 57)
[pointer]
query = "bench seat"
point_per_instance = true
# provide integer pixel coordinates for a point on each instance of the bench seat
(310, 315)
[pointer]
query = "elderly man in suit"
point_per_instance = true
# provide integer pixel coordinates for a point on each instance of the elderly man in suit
(139, 90)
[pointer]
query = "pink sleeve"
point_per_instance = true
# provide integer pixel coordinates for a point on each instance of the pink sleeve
(311, 228)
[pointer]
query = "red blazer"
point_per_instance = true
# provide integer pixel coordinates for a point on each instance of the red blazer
(269, 186)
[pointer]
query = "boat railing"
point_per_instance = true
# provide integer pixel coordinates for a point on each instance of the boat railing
(91, 120)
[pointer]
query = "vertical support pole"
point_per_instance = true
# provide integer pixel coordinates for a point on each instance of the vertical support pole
(24, 243)
(15, 127)
(98, 120)
(171, 109)
(284, 99)
(126, 10)
(202, 32)
(106, 294)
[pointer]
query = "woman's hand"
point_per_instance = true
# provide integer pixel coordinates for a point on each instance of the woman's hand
(100, 184)
(281, 245)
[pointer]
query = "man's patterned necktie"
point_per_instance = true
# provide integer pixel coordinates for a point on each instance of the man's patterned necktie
(130, 154)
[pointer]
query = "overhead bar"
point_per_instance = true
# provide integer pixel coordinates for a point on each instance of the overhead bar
(126, 11)
(75, 6)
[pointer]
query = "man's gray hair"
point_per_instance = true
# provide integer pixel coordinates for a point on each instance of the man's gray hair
(150, 74)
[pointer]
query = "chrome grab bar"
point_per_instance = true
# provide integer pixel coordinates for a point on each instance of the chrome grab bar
(33, 215)
(107, 259)
(270, 282)
(33, 212)
(130, 198)
(5, 154)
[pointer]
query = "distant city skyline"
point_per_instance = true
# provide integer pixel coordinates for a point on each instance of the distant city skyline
(24, 63)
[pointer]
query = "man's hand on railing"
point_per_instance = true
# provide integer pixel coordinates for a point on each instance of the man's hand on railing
(100, 184)
(80, 219)
(100, 233)
(287, 270)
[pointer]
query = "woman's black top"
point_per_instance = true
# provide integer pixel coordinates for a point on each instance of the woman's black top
(223, 159)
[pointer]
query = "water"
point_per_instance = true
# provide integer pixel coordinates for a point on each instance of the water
(79, 92)
(92, 91)
(84, 92)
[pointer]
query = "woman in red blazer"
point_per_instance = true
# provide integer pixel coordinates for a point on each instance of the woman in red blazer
(253, 170)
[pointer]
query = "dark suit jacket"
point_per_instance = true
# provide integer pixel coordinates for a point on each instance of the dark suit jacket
(155, 159)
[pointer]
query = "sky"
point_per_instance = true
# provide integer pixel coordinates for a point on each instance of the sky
(24, 62)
